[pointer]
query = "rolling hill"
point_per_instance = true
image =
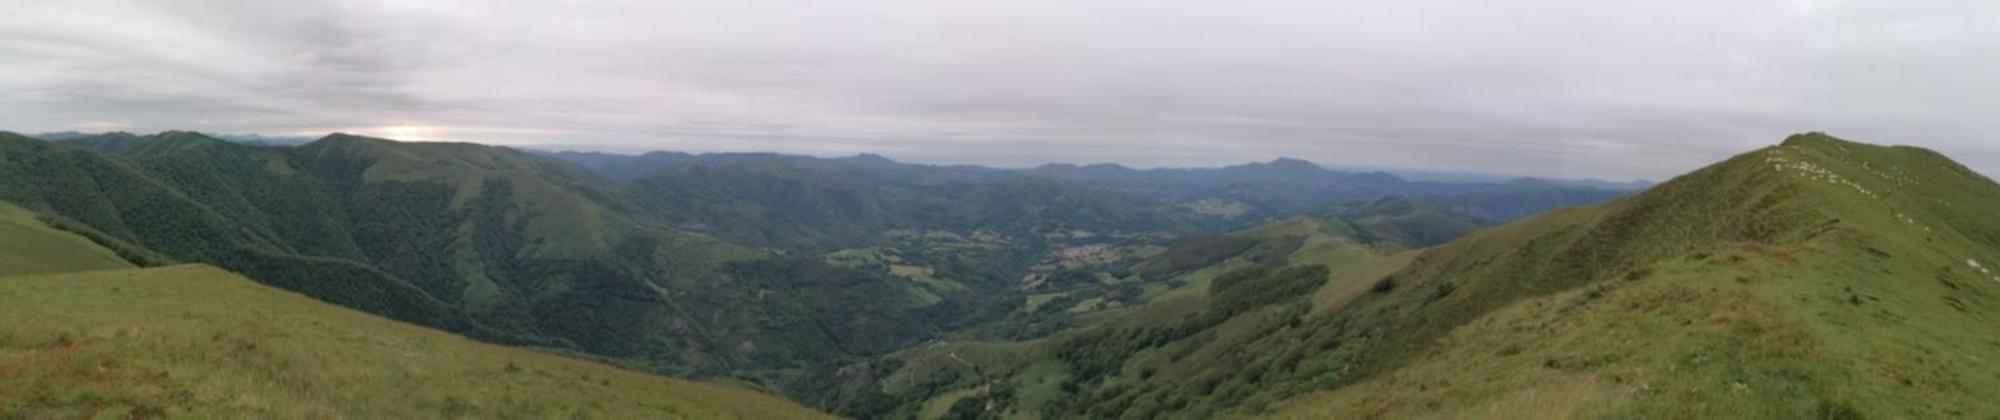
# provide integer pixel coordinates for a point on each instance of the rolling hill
(1817, 278)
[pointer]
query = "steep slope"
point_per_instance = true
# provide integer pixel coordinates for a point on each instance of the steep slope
(1819, 277)
(194, 341)
(32, 247)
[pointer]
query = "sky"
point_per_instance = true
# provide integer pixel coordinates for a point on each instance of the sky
(1563, 88)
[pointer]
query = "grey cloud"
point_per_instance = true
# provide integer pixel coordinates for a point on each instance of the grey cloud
(1539, 87)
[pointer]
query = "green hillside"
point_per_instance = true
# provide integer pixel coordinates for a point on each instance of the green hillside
(1819, 278)
(32, 247)
(196, 342)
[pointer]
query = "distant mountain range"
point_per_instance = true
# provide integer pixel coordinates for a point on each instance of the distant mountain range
(1242, 192)
(625, 166)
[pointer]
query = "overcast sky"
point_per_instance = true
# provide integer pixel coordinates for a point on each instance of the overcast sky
(1574, 88)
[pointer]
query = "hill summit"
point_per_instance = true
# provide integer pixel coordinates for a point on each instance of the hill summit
(1819, 277)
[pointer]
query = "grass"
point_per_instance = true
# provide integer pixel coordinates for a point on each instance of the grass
(197, 342)
(1818, 278)
(1352, 276)
(31, 247)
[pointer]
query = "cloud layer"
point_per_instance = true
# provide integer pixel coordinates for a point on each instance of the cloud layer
(1549, 87)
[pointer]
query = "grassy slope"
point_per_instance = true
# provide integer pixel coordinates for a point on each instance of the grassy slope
(1819, 278)
(31, 247)
(197, 341)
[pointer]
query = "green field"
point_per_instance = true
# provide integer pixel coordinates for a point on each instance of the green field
(197, 342)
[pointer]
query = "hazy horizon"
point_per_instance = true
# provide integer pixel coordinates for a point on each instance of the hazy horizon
(1558, 89)
(1408, 174)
